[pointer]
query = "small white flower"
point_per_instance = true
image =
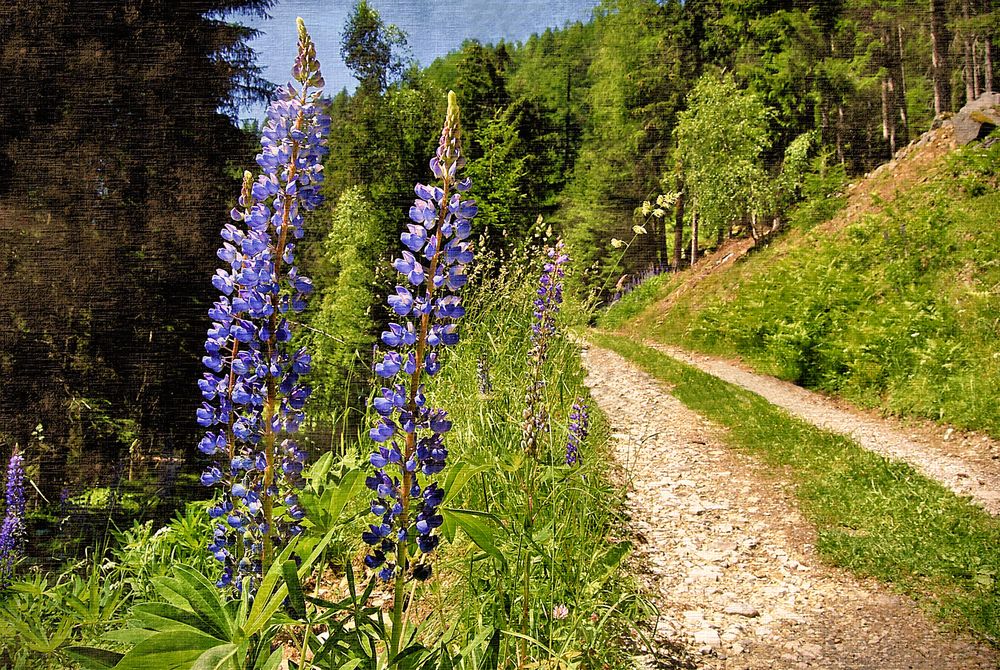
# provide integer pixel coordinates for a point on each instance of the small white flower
(560, 612)
(658, 213)
(616, 243)
(647, 208)
(639, 230)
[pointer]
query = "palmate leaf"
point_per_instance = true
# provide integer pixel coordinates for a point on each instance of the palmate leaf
(458, 476)
(335, 500)
(92, 658)
(477, 528)
(295, 596)
(162, 617)
(169, 650)
(273, 590)
(202, 597)
(216, 657)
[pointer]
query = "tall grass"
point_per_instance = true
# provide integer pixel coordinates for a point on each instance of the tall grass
(574, 543)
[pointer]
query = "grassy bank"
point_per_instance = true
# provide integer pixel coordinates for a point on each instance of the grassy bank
(873, 516)
(900, 310)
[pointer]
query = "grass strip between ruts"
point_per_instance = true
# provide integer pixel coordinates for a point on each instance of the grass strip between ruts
(876, 517)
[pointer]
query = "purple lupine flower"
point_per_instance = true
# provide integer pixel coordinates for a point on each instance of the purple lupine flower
(254, 396)
(12, 531)
(579, 426)
(546, 306)
(483, 376)
(409, 433)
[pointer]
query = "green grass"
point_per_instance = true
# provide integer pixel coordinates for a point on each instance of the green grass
(900, 310)
(875, 517)
(634, 303)
(576, 545)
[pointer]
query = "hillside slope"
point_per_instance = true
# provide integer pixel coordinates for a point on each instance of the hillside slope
(893, 303)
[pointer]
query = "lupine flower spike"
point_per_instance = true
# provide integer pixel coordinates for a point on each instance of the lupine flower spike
(547, 303)
(12, 531)
(409, 433)
(253, 392)
(483, 376)
(579, 425)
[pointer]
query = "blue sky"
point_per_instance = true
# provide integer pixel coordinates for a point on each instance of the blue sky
(434, 27)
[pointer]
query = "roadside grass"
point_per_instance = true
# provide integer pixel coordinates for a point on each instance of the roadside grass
(634, 303)
(898, 311)
(875, 517)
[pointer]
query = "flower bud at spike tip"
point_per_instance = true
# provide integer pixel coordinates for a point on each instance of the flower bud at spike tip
(453, 117)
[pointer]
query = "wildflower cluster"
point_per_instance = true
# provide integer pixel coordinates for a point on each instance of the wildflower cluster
(579, 425)
(12, 531)
(410, 434)
(546, 306)
(629, 282)
(254, 396)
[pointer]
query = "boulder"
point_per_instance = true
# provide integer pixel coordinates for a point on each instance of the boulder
(977, 119)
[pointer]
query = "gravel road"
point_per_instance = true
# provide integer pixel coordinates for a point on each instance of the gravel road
(723, 550)
(969, 465)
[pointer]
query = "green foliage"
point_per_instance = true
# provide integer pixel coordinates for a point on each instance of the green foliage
(633, 304)
(345, 321)
(571, 557)
(897, 311)
(822, 190)
(371, 49)
(875, 517)
(42, 615)
(496, 178)
(721, 138)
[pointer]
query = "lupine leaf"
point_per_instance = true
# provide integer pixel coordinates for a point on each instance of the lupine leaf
(167, 651)
(163, 617)
(273, 661)
(288, 568)
(479, 531)
(93, 658)
(129, 636)
(216, 657)
(458, 476)
(350, 484)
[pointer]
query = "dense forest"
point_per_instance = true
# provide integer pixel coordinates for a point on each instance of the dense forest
(652, 125)
(661, 117)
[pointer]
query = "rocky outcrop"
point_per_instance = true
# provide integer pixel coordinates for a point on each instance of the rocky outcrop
(977, 119)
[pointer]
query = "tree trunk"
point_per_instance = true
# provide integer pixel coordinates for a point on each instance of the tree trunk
(970, 90)
(694, 238)
(889, 114)
(840, 134)
(902, 88)
(941, 74)
(976, 91)
(885, 109)
(988, 66)
(678, 221)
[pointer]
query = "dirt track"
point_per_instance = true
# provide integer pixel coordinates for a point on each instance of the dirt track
(968, 465)
(730, 561)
